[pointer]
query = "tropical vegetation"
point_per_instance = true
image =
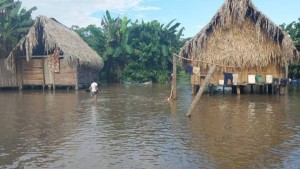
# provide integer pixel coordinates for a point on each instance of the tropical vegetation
(134, 51)
(14, 24)
(293, 29)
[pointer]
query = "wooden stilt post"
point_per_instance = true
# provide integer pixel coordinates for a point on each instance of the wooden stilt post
(286, 76)
(238, 89)
(174, 79)
(252, 90)
(77, 80)
(201, 90)
(281, 90)
(53, 87)
(193, 89)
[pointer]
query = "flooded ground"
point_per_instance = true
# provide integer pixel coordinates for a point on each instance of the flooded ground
(133, 127)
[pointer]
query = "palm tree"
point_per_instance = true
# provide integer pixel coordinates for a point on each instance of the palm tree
(14, 24)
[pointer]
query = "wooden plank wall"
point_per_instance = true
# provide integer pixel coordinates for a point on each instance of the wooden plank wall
(36, 72)
(48, 75)
(86, 75)
(275, 70)
(66, 75)
(8, 78)
(33, 72)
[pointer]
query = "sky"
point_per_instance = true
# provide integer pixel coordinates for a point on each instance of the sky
(191, 14)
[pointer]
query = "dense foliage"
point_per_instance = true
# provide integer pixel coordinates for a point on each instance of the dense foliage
(14, 24)
(293, 29)
(134, 51)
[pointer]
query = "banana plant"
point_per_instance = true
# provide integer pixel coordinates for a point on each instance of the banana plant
(14, 24)
(170, 41)
(116, 45)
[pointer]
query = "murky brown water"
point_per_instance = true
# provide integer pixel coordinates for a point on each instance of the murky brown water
(132, 127)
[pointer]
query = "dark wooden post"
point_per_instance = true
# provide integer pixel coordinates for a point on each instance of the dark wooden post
(20, 76)
(77, 76)
(287, 77)
(76, 79)
(252, 89)
(201, 90)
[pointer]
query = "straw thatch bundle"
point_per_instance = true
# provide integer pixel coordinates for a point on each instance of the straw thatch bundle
(55, 35)
(239, 35)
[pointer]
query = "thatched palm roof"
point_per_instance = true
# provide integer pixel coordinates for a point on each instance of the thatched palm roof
(240, 35)
(55, 35)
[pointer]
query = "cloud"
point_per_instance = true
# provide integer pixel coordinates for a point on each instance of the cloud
(82, 13)
(145, 8)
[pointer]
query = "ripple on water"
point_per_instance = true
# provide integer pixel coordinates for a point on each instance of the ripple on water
(133, 127)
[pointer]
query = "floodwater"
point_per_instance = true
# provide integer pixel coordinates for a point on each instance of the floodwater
(133, 127)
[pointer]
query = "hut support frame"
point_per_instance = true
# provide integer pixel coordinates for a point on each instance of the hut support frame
(201, 90)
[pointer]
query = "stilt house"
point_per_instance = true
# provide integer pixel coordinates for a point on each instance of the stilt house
(243, 42)
(50, 54)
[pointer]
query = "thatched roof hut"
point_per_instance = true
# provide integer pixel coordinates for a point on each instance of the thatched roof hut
(241, 40)
(47, 34)
(51, 54)
(242, 36)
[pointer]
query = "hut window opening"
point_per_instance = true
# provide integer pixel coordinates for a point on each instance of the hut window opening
(40, 47)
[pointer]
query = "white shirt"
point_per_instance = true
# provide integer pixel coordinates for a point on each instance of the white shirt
(94, 87)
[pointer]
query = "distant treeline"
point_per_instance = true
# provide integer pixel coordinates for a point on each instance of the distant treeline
(134, 51)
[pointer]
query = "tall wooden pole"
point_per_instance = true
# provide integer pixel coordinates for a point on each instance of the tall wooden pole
(286, 76)
(53, 87)
(174, 79)
(201, 90)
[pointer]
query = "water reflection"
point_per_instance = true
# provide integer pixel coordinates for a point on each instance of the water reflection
(134, 127)
(239, 132)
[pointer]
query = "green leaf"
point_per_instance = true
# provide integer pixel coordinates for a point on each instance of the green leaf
(180, 33)
(164, 50)
(168, 25)
(128, 49)
(117, 52)
(124, 24)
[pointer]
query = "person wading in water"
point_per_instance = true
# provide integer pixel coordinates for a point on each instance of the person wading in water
(94, 90)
